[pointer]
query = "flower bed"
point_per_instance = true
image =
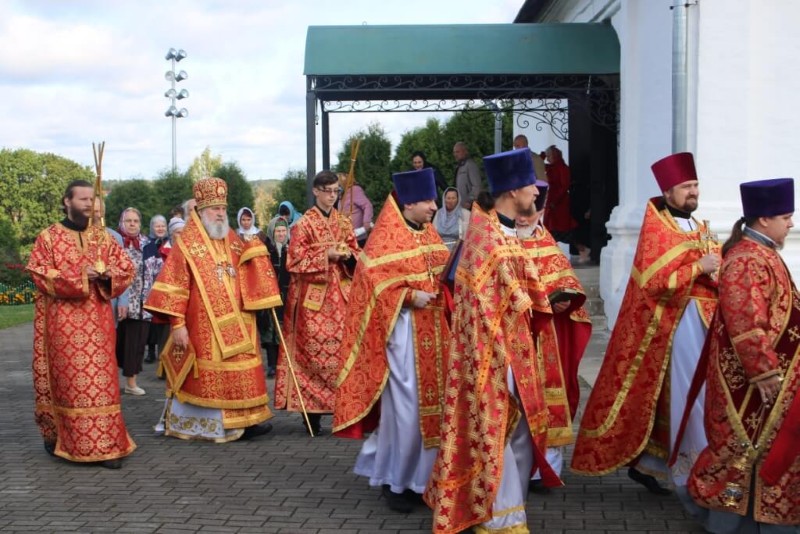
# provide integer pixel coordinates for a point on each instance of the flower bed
(18, 294)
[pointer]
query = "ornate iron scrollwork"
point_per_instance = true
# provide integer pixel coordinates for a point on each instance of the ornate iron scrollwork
(540, 100)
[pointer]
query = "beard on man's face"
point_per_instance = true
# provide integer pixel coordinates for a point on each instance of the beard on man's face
(77, 216)
(689, 205)
(529, 211)
(215, 229)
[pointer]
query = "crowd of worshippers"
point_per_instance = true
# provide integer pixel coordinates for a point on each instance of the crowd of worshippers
(447, 339)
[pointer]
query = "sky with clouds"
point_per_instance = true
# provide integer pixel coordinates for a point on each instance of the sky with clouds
(74, 72)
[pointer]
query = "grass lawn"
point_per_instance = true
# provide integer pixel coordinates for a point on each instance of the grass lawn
(14, 315)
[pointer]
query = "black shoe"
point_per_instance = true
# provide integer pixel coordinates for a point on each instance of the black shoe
(270, 372)
(112, 464)
(50, 448)
(316, 423)
(536, 486)
(413, 497)
(648, 482)
(151, 355)
(397, 501)
(256, 430)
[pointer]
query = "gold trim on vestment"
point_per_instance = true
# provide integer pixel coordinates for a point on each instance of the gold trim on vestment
(421, 250)
(513, 529)
(226, 366)
(169, 289)
(641, 278)
(77, 412)
(252, 252)
(243, 421)
(221, 403)
(367, 313)
(211, 250)
(651, 331)
(267, 302)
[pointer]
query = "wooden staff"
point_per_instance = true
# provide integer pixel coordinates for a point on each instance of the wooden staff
(291, 369)
(348, 187)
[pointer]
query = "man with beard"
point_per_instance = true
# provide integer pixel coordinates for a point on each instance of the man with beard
(395, 345)
(562, 342)
(210, 287)
(635, 408)
(78, 268)
(494, 425)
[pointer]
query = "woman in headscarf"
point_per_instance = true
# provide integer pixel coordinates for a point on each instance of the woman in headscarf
(286, 212)
(153, 256)
(277, 245)
(246, 223)
(132, 327)
(451, 219)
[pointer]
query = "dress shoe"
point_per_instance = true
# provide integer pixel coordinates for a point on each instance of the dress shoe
(50, 447)
(648, 482)
(316, 423)
(135, 390)
(256, 430)
(270, 372)
(536, 486)
(397, 501)
(151, 355)
(112, 464)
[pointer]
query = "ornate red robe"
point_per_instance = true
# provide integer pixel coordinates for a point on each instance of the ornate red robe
(75, 377)
(395, 261)
(628, 409)
(494, 298)
(754, 335)
(563, 340)
(213, 287)
(316, 305)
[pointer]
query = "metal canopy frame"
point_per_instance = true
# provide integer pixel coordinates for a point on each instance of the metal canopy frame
(536, 88)
(541, 101)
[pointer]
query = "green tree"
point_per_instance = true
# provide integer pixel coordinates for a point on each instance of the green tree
(475, 127)
(430, 140)
(292, 188)
(204, 165)
(31, 187)
(139, 194)
(240, 192)
(171, 189)
(372, 170)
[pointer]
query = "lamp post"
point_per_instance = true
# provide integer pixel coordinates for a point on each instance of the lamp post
(174, 95)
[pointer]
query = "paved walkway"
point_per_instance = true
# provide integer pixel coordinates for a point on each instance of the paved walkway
(285, 482)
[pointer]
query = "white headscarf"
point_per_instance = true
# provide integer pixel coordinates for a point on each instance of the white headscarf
(253, 228)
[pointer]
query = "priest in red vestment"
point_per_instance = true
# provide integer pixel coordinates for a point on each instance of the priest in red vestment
(748, 478)
(634, 410)
(395, 345)
(321, 259)
(210, 287)
(494, 428)
(562, 341)
(78, 268)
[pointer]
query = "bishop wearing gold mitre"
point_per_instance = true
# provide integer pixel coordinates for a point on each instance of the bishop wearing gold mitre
(210, 287)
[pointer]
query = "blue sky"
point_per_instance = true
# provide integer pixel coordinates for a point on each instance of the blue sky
(74, 72)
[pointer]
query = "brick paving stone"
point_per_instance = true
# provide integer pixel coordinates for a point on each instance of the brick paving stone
(283, 483)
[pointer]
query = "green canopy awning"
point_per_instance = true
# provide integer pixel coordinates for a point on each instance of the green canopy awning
(452, 49)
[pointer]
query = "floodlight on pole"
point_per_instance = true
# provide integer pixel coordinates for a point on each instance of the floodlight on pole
(173, 56)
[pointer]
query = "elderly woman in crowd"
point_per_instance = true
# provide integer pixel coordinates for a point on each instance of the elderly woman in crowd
(133, 326)
(451, 219)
